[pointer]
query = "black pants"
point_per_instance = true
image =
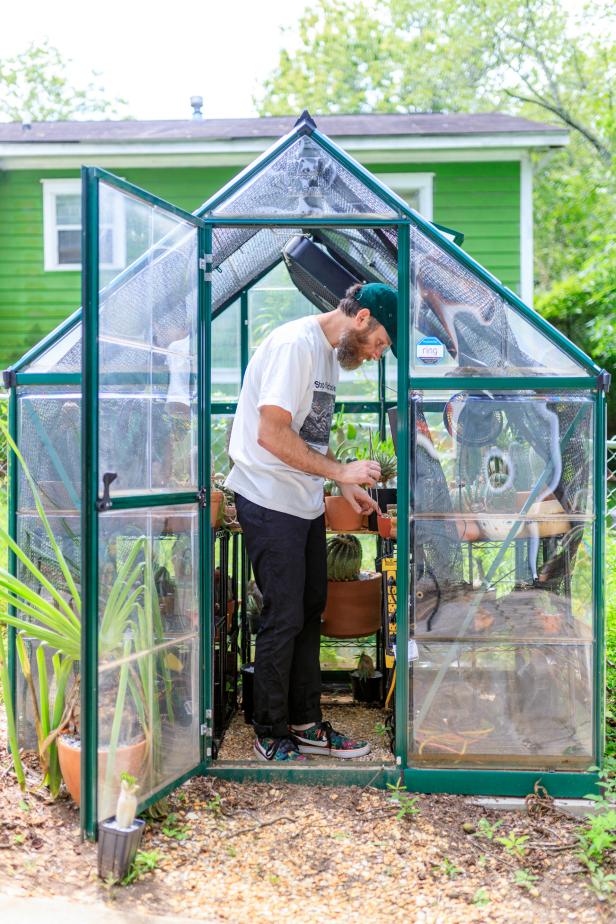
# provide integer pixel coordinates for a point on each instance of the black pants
(288, 557)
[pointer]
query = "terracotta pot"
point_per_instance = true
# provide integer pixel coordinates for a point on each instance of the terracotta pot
(353, 607)
(383, 522)
(557, 525)
(216, 508)
(468, 529)
(340, 516)
(129, 759)
(383, 497)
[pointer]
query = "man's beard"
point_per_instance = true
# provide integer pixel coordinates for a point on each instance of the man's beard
(351, 349)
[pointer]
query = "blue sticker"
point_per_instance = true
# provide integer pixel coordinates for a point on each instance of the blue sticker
(430, 350)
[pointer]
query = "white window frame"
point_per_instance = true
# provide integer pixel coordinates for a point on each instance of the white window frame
(402, 183)
(72, 187)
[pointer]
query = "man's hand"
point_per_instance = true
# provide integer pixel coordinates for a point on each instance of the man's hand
(355, 473)
(360, 500)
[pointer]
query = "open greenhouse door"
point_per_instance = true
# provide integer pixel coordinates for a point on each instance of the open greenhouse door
(145, 687)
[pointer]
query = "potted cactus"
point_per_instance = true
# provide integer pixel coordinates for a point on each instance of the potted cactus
(353, 596)
(366, 681)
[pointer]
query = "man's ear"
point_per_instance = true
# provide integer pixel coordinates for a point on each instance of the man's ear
(362, 317)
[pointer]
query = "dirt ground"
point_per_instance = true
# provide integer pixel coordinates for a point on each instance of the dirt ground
(262, 852)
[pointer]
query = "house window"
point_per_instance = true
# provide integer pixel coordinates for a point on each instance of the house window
(414, 188)
(62, 227)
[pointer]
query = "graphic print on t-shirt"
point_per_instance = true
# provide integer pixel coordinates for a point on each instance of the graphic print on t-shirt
(316, 427)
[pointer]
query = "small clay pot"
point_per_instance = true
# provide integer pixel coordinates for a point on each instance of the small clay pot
(384, 522)
(216, 508)
(340, 516)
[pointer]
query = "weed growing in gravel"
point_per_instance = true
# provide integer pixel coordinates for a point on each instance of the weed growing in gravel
(407, 805)
(513, 844)
(145, 861)
(597, 836)
(481, 898)
(487, 830)
(172, 829)
(214, 805)
(449, 869)
(526, 880)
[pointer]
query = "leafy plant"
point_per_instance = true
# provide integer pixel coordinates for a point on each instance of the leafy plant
(407, 805)
(487, 829)
(449, 869)
(145, 862)
(481, 898)
(514, 844)
(525, 879)
(177, 831)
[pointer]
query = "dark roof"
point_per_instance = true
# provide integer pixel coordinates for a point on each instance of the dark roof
(421, 124)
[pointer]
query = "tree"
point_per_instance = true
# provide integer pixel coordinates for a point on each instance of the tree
(531, 57)
(35, 87)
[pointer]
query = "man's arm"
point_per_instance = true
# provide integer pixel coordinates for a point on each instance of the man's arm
(276, 436)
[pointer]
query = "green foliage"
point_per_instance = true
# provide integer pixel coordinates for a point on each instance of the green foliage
(514, 844)
(406, 804)
(481, 898)
(525, 879)
(35, 86)
(487, 829)
(174, 829)
(597, 836)
(145, 862)
(449, 869)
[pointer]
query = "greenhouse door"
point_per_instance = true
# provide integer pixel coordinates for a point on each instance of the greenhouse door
(145, 684)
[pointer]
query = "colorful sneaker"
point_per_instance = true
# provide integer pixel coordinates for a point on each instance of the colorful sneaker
(321, 738)
(277, 749)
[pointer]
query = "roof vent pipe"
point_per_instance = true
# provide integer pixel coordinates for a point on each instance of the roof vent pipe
(196, 102)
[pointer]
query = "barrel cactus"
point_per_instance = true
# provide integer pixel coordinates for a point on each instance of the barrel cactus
(343, 558)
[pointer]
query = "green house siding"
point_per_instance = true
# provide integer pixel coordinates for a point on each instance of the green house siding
(483, 201)
(480, 199)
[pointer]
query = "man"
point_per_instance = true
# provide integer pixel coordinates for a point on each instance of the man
(279, 446)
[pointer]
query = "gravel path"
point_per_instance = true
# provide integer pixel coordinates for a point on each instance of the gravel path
(262, 852)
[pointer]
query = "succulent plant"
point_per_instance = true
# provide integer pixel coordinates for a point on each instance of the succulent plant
(344, 554)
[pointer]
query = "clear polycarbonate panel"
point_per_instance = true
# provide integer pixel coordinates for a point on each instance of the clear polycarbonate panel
(148, 678)
(460, 324)
(63, 355)
(536, 587)
(274, 301)
(147, 347)
(490, 454)
(509, 705)
(226, 361)
(36, 543)
(304, 180)
(239, 258)
(49, 438)
(220, 430)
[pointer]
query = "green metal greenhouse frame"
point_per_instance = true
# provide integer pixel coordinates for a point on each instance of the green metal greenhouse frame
(592, 380)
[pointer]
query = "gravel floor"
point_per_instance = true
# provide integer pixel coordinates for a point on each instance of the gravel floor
(261, 852)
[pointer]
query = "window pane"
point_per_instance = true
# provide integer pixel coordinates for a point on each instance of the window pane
(69, 246)
(68, 209)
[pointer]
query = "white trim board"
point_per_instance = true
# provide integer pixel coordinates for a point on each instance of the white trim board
(527, 276)
(402, 183)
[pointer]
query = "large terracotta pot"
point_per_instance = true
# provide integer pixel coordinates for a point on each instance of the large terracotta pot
(129, 759)
(353, 607)
(340, 516)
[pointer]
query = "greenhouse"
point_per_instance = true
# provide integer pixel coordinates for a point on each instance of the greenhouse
(485, 637)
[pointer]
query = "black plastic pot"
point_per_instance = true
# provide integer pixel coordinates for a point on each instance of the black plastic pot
(383, 497)
(117, 847)
(366, 689)
(248, 671)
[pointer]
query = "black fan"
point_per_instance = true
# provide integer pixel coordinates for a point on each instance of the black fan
(320, 278)
(477, 423)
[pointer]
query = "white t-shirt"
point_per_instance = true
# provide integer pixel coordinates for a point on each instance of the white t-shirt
(295, 368)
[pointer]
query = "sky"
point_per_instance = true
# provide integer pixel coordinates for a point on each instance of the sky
(156, 55)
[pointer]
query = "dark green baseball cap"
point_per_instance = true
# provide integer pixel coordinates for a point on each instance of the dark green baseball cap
(382, 302)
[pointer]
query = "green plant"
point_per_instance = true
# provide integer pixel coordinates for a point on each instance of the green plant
(487, 830)
(449, 869)
(383, 452)
(52, 617)
(365, 666)
(525, 879)
(481, 898)
(407, 805)
(513, 844)
(344, 554)
(215, 804)
(145, 862)
(171, 828)
(597, 836)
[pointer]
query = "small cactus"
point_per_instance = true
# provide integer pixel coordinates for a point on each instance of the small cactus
(344, 555)
(365, 667)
